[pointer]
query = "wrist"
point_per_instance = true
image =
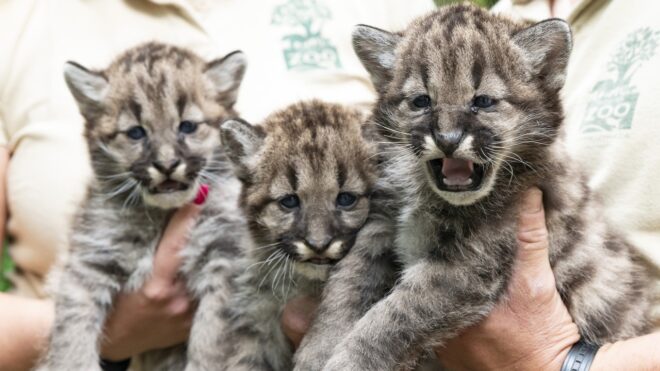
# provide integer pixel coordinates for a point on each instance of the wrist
(603, 360)
(559, 360)
(553, 357)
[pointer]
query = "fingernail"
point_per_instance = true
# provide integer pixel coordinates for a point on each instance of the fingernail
(202, 194)
(532, 201)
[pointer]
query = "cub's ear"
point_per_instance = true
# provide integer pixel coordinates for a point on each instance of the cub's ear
(89, 88)
(241, 142)
(226, 75)
(376, 50)
(547, 47)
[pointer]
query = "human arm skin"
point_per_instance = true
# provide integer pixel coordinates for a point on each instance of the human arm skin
(297, 317)
(533, 330)
(156, 316)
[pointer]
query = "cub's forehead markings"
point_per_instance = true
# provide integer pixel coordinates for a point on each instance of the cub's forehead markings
(292, 177)
(477, 67)
(341, 173)
(135, 108)
(181, 103)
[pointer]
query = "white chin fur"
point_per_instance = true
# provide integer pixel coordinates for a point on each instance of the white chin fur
(311, 271)
(171, 200)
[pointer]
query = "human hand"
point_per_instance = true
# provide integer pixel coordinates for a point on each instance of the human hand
(530, 329)
(160, 314)
(297, 318)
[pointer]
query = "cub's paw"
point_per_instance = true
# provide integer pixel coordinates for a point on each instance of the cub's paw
(311, 359)
(341, 362)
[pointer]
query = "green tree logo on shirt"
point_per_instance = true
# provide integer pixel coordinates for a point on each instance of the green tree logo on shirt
(612, 101)
(306, 48)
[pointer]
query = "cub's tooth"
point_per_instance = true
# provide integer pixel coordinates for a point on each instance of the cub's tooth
(464, 182)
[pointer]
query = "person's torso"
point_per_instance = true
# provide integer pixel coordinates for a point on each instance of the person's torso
(611, 126)
(296, 49)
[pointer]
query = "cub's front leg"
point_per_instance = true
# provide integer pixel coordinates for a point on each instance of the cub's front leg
(431, 304)
(85, 295)
(358, 281)
(254, 340)
(209, 329)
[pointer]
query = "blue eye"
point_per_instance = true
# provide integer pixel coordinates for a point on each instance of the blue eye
(483, 101)
(422, 101)
(346, 199)
(187, 127)
(290, 201)
(136, 133)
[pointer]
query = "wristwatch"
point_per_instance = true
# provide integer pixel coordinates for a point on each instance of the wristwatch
(580, 357)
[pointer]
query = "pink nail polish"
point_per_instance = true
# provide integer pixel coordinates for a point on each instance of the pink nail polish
(202, 194)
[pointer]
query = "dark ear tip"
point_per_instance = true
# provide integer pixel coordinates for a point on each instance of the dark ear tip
(558, 22)
(236, 56)
(364, 31)
(563, 26)
(71, 67)
(230, 125)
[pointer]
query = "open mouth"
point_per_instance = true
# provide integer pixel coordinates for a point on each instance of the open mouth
(320, 260)
(169, 186)
(456, 175)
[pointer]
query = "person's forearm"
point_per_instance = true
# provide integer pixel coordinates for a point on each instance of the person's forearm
(636, 354)
(24, 327)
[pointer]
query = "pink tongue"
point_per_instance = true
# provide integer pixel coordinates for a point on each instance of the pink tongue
(455, 169)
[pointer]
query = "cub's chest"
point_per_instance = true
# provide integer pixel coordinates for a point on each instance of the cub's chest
(425, 237)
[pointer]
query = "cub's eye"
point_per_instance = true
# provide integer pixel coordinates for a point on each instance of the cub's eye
(346, 199)
(422, 101)
(187, 127)
(136, 132)
(483, 101)
(290, 201)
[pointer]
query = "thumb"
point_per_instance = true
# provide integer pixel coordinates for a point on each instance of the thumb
(175, 237)
(532, 275)
(532, 236)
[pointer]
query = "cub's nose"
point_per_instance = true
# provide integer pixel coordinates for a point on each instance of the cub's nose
(448, 141)
(318, 245)
(167, 167)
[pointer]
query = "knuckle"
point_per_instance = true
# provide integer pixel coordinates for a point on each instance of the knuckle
(533, 235)
(171, 243)
(180, 307)
(540, 289)
(157, 293)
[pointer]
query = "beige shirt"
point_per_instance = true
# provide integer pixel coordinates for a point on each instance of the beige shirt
(611, 101)
(296, 49)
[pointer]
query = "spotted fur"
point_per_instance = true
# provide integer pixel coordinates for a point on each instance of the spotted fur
(152, 126)
(308, 175)
(456, 234)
